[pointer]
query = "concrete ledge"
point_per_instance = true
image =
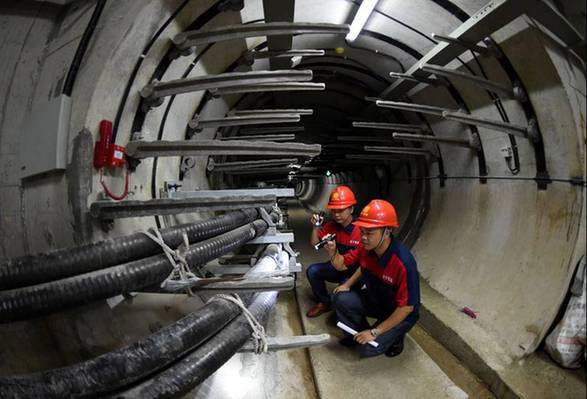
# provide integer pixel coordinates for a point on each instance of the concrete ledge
(534, 376)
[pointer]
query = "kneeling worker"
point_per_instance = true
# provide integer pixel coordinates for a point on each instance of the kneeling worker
(347, 237)
(392, 294)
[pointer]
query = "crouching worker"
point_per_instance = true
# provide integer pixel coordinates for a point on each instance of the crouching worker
(392, 294)
(347, 237)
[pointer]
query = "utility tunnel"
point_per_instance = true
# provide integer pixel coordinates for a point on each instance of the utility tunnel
(231, 122)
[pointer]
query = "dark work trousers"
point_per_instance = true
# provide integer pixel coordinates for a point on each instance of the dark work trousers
(352, 308)
(319, 273)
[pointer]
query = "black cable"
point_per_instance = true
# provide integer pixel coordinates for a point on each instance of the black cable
(116, 369)
(82, 47)
(186, 374)
(123, 279)
(504, 117)
(61, 263)
(137, 66)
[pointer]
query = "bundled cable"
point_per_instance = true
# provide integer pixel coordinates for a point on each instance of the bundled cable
(61, 263)
(45, 298)
(131, 364)
(183, 376)
(119, 368)
(126, 365)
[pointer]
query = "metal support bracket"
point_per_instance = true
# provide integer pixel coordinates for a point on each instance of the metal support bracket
(294, 266)
(365, 139)
(276, 238)
(239, 165)
(271, 226)
(425, 109)
(400, 150)
(250, 56)
(111, 210)
(528, 132)
(244, 284)
(396, 127)
(284, 343)
(244, 112)
(155, 91)
(266, 87)
(507, 90)
(243, 120)
(419, 79)
(466, 45)
(219, 194)
(149, 149)
(189, 39)
(251, 131)
(472, 142)
(261, 137)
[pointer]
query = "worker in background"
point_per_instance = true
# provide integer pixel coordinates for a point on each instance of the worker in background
(392, 290)
(341, 206)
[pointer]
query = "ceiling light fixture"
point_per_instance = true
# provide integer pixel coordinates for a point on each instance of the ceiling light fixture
(360, 19)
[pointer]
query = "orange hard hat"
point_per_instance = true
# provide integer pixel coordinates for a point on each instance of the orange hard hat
(341, 197)
(378, 213)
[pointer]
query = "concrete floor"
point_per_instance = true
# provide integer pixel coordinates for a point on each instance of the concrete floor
(341, 373)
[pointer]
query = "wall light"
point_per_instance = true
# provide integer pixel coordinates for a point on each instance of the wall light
(361, 18)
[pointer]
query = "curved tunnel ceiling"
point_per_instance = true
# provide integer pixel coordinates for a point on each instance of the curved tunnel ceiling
(487, 230)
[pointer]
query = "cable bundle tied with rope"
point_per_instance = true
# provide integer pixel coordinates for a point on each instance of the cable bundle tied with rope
(61, 263)
(36, 300)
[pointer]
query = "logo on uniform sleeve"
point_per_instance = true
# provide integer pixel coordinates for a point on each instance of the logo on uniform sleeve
(387, 279)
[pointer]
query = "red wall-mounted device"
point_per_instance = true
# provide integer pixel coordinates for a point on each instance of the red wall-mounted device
(107, 154)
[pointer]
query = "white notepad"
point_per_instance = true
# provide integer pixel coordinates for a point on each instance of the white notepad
(346, 328)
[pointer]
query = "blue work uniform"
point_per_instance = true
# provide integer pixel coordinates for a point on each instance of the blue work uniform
(347, 238)
(390, 281)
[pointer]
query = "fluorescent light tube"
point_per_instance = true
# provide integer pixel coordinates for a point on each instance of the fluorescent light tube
(361, 18)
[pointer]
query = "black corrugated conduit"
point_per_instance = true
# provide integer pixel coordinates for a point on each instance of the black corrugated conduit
(23, 303)
(82, 47)
(193, 369)
(114, 370)
(61, 263)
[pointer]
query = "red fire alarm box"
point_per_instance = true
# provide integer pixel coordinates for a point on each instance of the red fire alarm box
(106, 153)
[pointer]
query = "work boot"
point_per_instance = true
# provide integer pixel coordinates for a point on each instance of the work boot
(396, 348)
(318, 309)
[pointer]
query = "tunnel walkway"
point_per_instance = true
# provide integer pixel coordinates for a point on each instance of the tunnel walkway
(341, 373)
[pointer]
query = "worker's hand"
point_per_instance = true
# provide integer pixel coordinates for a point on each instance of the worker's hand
(316, 220)
(340, 268)
(342, 288)
(364, 337)
(330, 247)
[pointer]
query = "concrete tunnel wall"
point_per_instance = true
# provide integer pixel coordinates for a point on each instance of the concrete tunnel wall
(503, 248)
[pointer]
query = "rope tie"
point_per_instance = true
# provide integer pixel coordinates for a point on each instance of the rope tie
(181, 270)
(259, 336)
